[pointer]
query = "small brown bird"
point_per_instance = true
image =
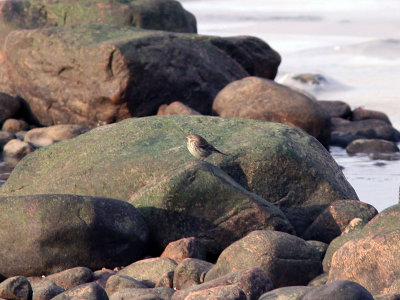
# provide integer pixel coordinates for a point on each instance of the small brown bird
(199, 147)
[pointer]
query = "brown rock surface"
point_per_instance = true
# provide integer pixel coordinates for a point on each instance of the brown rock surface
(190, 247)
(176, 108)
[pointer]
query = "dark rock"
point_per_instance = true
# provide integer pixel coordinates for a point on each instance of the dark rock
(9, 106)
(254, 282)
(45, 289)
(369, 256)
(176, 108)
(309, 181)
(365, 114)
(190, 247)
(369, 129)
(58, 232)
(253, 54)
(335, 121)
(286, 293)
(190, 269)
(341, 289)
(232, 292)
(161, 293)
(71, 278)
(371, 146)
(286, 259)
(321, 247)
(5, 137)
(40, 137)
(14, 125)
(150, 270)
(320, 280)
(88, 291)
(100, 74)
(262, 99)
(119, 282)
(17, 287)
(336, 109)
(384, 156)
(342, 139)
(334, 219)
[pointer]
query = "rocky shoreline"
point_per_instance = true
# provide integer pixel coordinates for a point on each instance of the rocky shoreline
(96, 99)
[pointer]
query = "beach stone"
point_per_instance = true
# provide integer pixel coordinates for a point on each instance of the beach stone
(161, 293)
(360, 114)
(40, 137)
(308, 183)
(17, 287)
(335, 218)
(166, 280)
(71, 278)
(341, 289)
(45, 289)
(190, 269)
(5, 137)
(336, 109)
(119, 282)
(369, 256)
(101, 276)
(253, 281)
(87, 291)
(14, 125)
(176, 108)
(262, 99)
(17, 148)
(286, 259)
(58, 232)
(232, 292)
(321, 247)
(150, 270)
(101, 74)
(310, 78)
(190, 247)
(384, 156)
(369, 129)
(371, 146)
(286, 293)
(320, 280)
(9, 106)
(341, 139)
(252, 53)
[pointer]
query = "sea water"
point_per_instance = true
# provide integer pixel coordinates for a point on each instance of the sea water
(354, 45)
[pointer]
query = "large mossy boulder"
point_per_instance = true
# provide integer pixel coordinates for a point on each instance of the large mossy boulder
(99, 74)
(145, 161)
(44, 234)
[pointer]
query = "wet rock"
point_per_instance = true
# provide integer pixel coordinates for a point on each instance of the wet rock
(365, 114)
(253, 281)
(40, 137)
(321, 247)
(336, 109)
(17, 287)
(341, 139)
(165, 173)
(119, 282)
(286, 259)
(9, 106)
(286, 293)
(341, 289)
(261, 99)
(45, 289)
(17, 148)
(384, 156)
(369, 256)
(72, 277)
(58, 232)
(190, 247)
(161, 293)
(150, 270)
(89, 291)
(101, 74)
(232, 292)
(14, 125)
(308, 78)
(320, 280)
(369, 129)
(334, 219)
(371, 146)
(190, 269)
(176, 108)
(5, 137)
